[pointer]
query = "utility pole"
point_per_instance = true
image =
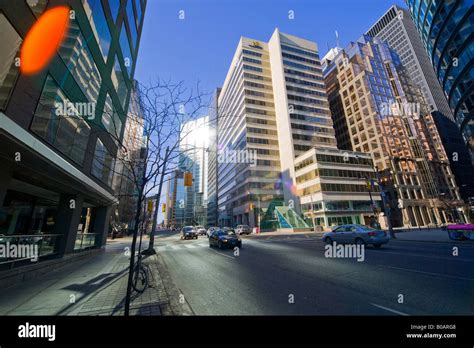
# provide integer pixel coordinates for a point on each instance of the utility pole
(387, 208)
(151, 250)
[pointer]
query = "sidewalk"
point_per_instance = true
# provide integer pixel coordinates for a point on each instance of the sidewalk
(428, 235)
(97, 287)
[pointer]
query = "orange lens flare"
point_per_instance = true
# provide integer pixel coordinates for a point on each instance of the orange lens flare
(43, 39)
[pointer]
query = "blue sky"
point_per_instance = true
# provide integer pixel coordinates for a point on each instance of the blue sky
(201, 46)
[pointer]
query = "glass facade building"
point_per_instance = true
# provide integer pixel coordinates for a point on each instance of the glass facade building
(445, 28)
(59, 126)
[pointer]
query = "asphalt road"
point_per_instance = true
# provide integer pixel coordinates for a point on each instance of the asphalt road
(290, 275)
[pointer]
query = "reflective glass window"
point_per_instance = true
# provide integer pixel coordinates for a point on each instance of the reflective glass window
(60, 122)
(95, 13)
(11, 42)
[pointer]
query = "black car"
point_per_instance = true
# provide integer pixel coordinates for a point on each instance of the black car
(188, 232)
(224, 239)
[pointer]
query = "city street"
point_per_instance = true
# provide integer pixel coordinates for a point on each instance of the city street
(271, 271)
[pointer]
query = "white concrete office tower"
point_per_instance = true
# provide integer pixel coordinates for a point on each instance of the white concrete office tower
(272, 107)
(194, 144)
(397, 29)
(301, 106)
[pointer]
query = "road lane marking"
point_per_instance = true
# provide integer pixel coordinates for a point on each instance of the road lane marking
(390, 310)
(189, 246)
(231, 257)
(427, 273)
(175, 247)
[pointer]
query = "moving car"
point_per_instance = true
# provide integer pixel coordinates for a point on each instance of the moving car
(201, 231)
(224, 239)
(210, 230)
(243, 229)
(358, 234)
(188, 232)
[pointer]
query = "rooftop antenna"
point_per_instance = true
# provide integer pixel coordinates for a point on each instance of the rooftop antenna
(337, 39)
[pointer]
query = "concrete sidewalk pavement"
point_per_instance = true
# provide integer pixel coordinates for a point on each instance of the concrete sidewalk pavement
(97, 287)
(428, 235)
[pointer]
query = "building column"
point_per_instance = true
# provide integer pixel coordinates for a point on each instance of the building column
(67, 222)
(101, 224)
(5, 177)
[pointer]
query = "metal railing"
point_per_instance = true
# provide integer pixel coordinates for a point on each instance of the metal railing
(86, 240)
(35, 245)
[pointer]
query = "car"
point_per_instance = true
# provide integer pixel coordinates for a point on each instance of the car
(188, 232)
(355, 233)
(243, 229)
(224, 238)
(228, 229)
(201, 231)
(210, 230)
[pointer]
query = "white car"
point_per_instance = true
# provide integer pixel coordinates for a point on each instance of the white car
(243, 229)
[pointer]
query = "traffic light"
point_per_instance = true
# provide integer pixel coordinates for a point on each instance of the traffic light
(188, 179)
(150, 206)
(163, 208)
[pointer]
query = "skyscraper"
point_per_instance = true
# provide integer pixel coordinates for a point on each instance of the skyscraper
(397, 29)
(445, 29)
(56, 135)
(385, 115)
(194, 158)
(212, 169)
(272, 108)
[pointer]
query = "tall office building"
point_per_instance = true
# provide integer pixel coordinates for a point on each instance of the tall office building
(212, 168)
(194, 158)
(445, 28)
(385, 115)
(272, 108)
(175, 200)
(56, 145)
(397, 29)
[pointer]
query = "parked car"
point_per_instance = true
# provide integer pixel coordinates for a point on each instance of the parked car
(224, 238)
(358, 234)
(201, 231)
(210, 230)
(243, 229)
(188, 232)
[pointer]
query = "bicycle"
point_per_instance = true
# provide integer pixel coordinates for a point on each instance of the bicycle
(141, 272)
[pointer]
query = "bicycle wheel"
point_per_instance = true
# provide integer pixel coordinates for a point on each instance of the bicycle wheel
(139, 279)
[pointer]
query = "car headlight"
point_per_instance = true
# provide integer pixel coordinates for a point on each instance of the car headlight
(224, 240)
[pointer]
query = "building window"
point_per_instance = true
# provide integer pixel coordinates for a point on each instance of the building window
(95, 11)
(60, 123)
(114, 8)
(37, 6)
(110, 119)
(138, 6)
(11, 42)
(120, 85)
(132, 23)
(126, 53)
(78, 58)
(103, 163)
